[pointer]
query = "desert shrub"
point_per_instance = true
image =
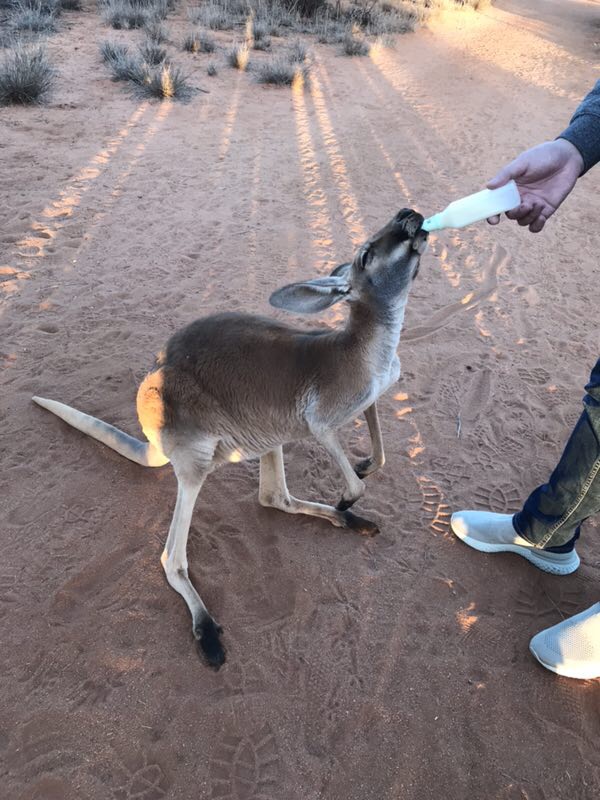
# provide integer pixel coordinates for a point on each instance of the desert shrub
(217, 16)
(26, 75)
(257, 34)
(355, 45)
(199, 43)
(262, 44)
(274, 18)
(238, 56)
(71, 5)
(306, 8)
(46, 6)
(330, 31)
(156, 32)
(112, 51)
(166, 83)
(191, 43)
(35, 17)
(152, 53)
(297, 52)
(385, 23)
(129, 68)
(257, 28)
(280, 71)
(211, 69)
(134, 13)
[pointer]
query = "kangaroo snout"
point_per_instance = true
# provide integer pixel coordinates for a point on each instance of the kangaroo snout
(409, 221)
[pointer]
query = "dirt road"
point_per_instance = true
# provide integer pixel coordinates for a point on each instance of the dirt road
(357, 670)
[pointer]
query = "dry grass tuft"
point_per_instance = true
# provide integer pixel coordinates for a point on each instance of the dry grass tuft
(238, 56)
(297, 52)
(156, 32)
(128, 14)
(201, 42)
(354, 45)
(167, 83)
(280, 71)
(26, 75)
(152, 53)
(34, 16)
(112, 51)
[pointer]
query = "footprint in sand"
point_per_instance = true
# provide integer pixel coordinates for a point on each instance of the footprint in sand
(141, 777)
(546, 600)
(246, 766)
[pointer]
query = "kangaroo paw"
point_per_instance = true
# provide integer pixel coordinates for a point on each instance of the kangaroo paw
(210, 649)
(360, 525)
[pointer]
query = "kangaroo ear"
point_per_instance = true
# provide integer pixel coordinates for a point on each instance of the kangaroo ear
(342, 271)
(309, 297)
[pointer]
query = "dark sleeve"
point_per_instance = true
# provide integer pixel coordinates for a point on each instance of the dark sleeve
(584, 130)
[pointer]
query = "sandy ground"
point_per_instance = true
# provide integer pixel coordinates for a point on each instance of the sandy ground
(390, 668)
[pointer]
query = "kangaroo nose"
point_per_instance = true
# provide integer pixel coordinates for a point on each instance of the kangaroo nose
(410, 220)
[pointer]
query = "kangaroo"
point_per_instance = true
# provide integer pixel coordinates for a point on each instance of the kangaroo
(233, 386)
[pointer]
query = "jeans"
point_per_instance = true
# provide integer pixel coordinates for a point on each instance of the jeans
(552, 515)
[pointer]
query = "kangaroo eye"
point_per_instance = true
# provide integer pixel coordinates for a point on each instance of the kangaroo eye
(364, 257)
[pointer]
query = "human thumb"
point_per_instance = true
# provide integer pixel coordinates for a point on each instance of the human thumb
(511, 171)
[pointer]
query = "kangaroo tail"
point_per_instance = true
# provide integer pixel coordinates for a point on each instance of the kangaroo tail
(144, 453)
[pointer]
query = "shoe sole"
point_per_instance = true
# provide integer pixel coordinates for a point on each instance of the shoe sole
(542, 560)
(582, 674)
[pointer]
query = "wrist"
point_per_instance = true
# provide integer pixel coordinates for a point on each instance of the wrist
(572, 152)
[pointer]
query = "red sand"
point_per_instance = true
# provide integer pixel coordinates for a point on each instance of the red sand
(391, 668)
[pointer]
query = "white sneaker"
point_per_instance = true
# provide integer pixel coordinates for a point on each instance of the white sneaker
(494, 533)
(571, 648)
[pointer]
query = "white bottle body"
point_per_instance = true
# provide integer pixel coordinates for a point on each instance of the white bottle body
(475, 207)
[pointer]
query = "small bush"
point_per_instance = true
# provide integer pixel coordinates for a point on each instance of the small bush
(306, 8)
(127, 14)
(211, 69)
(130, 68)
(191, 44)
(297, 52)
(36, 18)
(112, 51)
(280, 71)
(26, 76)
(167, 83)
(331, 32)
(45, 6)
(384, 23)
(71, 5)
(152, 53)
(238, 56)
(272, 19)
(214, 16)
(199, 43)
(257, 34)
(156, 32)
(262, 44)
(259, 29)
(355, 45)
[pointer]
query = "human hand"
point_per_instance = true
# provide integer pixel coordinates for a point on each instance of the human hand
(545, 175)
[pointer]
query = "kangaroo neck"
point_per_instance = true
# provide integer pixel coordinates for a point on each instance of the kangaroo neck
(375, 331)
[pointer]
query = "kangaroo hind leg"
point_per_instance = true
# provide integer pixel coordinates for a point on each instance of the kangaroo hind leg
(273, 492)
(174, 560)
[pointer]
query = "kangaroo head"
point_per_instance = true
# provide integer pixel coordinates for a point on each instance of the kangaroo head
(380, 274)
